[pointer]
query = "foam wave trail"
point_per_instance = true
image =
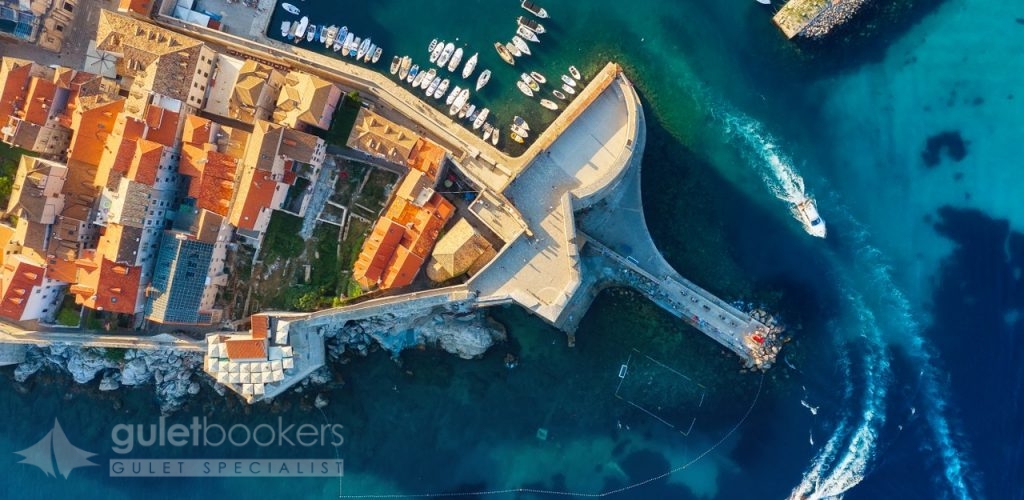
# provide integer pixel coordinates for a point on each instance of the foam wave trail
(829, 477)
(775, 167)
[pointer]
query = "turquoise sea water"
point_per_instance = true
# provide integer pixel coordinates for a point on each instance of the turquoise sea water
(906, 319)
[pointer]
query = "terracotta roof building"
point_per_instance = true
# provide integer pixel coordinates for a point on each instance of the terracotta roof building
(244, 90)
(306, 100)
(462, 250)
(37, 192)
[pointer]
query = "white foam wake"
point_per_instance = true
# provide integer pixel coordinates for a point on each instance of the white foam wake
(776, 169)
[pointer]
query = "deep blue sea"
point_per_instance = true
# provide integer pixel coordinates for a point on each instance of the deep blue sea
(905, 375)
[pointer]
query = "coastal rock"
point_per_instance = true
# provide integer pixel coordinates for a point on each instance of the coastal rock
(34, 361)
(321, 401)
(110, 381)
(321, 376)
(84, 364)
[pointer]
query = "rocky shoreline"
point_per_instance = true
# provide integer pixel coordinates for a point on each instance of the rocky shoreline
(831, 18)
(177, 376)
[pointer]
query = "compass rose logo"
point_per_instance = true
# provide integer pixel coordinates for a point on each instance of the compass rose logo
(55, 449)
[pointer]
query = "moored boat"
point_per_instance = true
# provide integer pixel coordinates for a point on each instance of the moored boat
(395, 62)
(549, 104)
(299, 30)
(487, 131)
(290, 8)
(519, 121)
(575, 73)
(473, 113)
(485, 76)
(504, 53)
(522, 132)
(446, 54)
(534, 9)
(528, 80)
(369, 53)
(462, 98)
(516, 137)
(470, 66)
(434, 84)
(512, 49)
(538, 77)
(363, 49)
(353, 48)
(456, 59)
(568, 90)
(403, 69)
(322, 33)
(435, 53)
(451, 97)
(481, 118)
(427, 80)
(286, 29)
(331, 36)
(376, 55)
(527, 34)
(311, 33)
(442, 88)
(558, 94)
(433, 43)
(521, 45)
(534, 26)
(524, 88)
(568, 80)
(466, 109)
(495, 136)
(415, 76)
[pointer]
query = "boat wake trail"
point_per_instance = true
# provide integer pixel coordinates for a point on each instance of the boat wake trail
(775, 167)
(882, 321)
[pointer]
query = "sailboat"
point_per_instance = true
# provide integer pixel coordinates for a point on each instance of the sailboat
(470, 66)
(485, 76)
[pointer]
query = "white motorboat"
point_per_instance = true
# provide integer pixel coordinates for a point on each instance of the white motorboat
(462, 98)
(568, 90)
(286, 28)
(558, 94)
(538, 77)
(520, 131)
(524, 88)
(442, 88)
(473, 113)
(511, 47)
(485, 76)
(341, 39)
(456, 59)
(519, 121)
(527, 34)
(470, 66)
(322, 34)
(481, 118)
(331, 36)
(495, 136)
(403, 69)
(291, 9)
(487, 131)
(376, 55)
(549, 104)
(806, 210)
(427, 80)
(451, 97)
(521, 45)
(506, 55)
(395, 62)
(299, 30)
(353, 48)
(416, 76)
(369, 53)
(568, 80)
(363, 49)
(446, 54)
(534, 26)
(528, 80)
(434, 84)
(433, 43)
(535, 9)
(311, 33)
(435, 53)
(575, 73)
(467, 108)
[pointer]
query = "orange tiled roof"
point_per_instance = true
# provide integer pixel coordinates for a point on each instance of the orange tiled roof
(197, 130)
(92, 127)
(403, 269)
(214, 182)
(38, 100)
(427, 157)
(18, 72)
(246, 348)
(145, 162)
(377, 251)
(18, 278)
(260, 326)
(107, 285)
(256, 194)
(162, 125)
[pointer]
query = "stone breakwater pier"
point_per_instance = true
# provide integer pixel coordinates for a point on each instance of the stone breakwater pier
(815, 18)
(588, 159)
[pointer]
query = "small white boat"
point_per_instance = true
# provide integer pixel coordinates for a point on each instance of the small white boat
(527, 34)
(451, 97)
(442, 88)
(506, 55)
(528, 80)
(558, 94)
(549, 104)
(446, 54)
(487, 131)
(575, 73)
(538, 77)
(427, 80)
(535, 9)
(434, 84)
(341, 39)
(453, 109)
(417, 76)
(353, 48)
(300, 28)
(520, 131)
(376, 55)
(470, 66)
(462, 98)
(806, 211)
(433, 43)
(369, 53)
(363, 49)
(513, 49)
(407, 61)
(467, 108)
(395, 62)
(524, 88)
(435, 53)
(480, 119)
(521, 45)
(286, 28)
(311, 33)
(495, 136)
(520, 122)
(534, 26)
(291, 9)
(323, 33)
(456, 59)
(568, 90)
(485, 76)
(331, 36)
(568, 80)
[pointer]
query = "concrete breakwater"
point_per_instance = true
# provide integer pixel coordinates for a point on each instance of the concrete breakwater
(815, 19)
